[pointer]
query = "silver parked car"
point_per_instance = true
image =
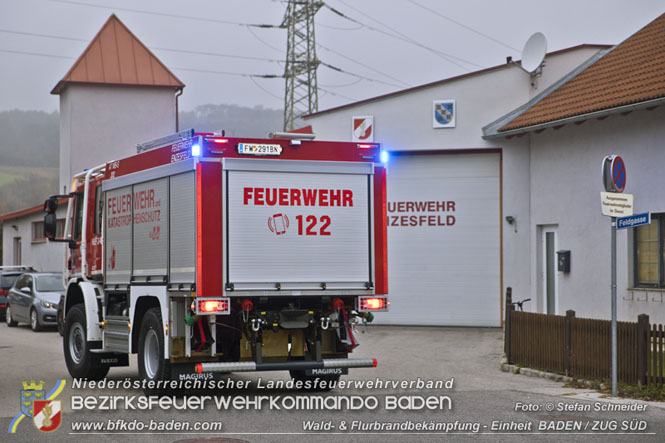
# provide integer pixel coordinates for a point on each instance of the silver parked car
(34, 299)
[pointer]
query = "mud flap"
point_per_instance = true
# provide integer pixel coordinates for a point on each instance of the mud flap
(112, 359)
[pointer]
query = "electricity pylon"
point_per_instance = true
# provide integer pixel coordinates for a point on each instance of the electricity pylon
(301, 91)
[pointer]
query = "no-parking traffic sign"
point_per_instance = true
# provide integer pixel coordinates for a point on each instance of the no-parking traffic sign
(614, 173)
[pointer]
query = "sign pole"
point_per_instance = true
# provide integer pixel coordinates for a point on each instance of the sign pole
(614, 306)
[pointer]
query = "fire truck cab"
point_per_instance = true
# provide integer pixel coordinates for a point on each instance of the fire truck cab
(205, 254)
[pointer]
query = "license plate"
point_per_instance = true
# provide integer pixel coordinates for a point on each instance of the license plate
(259, 149)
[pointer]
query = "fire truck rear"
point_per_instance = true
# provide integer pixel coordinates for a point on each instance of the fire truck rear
(205, 254)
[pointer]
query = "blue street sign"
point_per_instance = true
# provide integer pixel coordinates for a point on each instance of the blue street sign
(634, 220)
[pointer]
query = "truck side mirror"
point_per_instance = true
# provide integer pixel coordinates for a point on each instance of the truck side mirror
(51, 205)
(50, 225)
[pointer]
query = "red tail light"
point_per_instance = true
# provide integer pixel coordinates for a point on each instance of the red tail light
(218, 306)
(4, 292)
(370, 303)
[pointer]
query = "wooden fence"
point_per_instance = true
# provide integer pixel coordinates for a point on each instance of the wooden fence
(581, 347)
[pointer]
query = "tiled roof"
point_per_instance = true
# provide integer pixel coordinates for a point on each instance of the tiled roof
(115, 56)
(631, 73)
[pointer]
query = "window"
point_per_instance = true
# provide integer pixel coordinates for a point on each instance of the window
(60, 228)
(22, 282)
(49, 283)
(650, 253)
(78, 217)
(99, 209)
(38, 231)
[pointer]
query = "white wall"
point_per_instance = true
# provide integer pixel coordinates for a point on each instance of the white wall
(403, 122)
(42, 256)
(565, 190)
(102, 123)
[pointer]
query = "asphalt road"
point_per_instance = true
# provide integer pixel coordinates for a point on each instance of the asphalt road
(481, 397)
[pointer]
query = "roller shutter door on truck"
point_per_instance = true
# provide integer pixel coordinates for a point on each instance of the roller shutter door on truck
(443, 239)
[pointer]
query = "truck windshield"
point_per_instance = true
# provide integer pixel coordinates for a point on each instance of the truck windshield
(49, 283)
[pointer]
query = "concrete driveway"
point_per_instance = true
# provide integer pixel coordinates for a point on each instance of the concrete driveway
(483, 402)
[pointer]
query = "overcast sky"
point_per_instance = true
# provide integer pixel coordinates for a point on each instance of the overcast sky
(389, 45)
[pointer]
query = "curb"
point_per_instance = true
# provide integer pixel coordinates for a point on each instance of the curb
(514, 369)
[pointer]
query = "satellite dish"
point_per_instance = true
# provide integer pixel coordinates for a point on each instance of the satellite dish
(534, 52)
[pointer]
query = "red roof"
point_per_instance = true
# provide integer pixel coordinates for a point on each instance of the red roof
(28, 211)
(116, 57)
(631, 73)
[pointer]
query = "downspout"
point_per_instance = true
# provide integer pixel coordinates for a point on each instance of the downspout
(177, 113)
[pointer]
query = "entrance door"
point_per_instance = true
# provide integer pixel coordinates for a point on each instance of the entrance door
(548, 269)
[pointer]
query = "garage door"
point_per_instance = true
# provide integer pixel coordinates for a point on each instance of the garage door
(444, 240)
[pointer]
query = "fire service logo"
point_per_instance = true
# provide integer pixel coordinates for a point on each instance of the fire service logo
(278, 223)
(444, 114)
(46, 412)
(363, 129)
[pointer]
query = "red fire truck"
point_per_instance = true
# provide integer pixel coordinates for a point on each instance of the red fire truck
(206, 254)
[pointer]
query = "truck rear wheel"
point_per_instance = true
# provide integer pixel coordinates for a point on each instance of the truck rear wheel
(152, 364)
(81, 363)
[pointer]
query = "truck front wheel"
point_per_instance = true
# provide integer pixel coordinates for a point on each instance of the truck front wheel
(152, 364)
(81, 363)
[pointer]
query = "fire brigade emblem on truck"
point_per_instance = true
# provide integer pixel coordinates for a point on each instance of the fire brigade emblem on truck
(112, 259)
(278, 223)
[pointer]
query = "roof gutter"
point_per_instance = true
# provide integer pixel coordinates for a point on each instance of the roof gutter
(578, 118)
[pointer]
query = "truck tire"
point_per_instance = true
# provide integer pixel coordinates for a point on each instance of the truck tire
(152, 364)
(81, 363)
(9, 319)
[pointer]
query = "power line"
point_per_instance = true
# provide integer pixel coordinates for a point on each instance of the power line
(206, 71)
(265, 90)
(248, 26)
(475, 31)
(239, 74)
(400, 36)
(182, 51)
(345, 85)
(337, 28)
(251, 31)
(35, 53)
(213, 54)
(371, 68)
(337, 94)
(164, 14)
(334, 68)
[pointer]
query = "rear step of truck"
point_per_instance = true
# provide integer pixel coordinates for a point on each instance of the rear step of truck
(250, 366)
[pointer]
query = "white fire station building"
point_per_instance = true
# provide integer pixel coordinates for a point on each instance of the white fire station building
(495, 175)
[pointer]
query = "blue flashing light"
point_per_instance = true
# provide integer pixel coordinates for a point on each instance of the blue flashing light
(384, 156)
(196, 150)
